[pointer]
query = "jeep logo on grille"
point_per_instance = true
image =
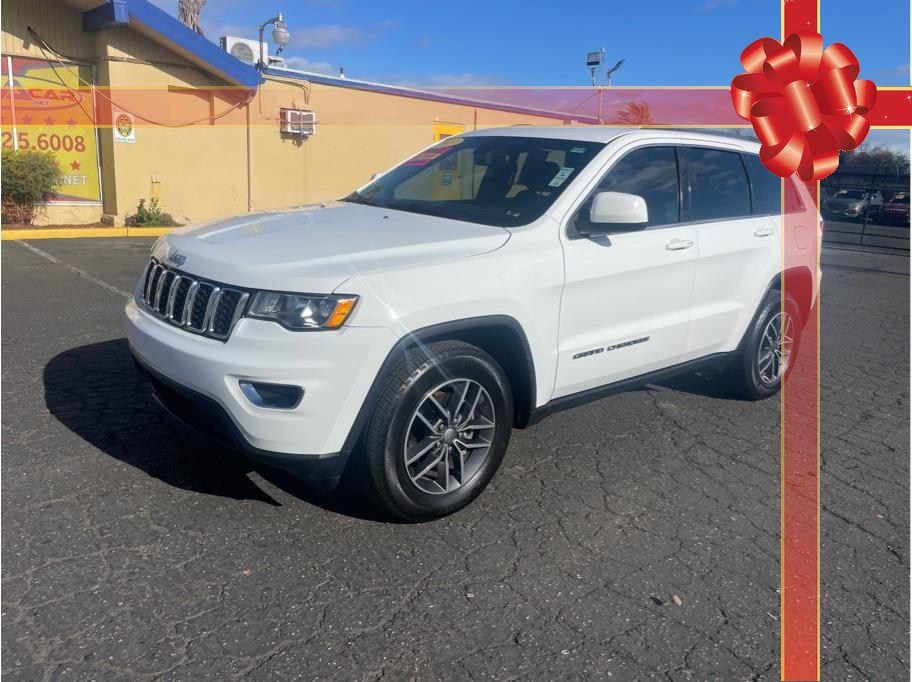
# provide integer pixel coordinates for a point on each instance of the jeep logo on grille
(176, 257)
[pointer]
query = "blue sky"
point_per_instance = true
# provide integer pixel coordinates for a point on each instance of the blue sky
(507, 42)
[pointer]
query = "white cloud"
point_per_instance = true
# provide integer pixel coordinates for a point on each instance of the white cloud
(317, 37)
(896, 76)
(438, 80)
(304, 64)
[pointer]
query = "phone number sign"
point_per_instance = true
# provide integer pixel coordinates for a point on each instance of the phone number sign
(51, 108)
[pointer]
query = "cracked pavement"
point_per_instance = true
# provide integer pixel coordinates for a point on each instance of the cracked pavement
(636, 537)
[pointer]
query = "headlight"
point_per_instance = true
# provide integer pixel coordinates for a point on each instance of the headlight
(296, 311)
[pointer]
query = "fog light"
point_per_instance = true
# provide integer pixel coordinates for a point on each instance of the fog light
(275, 396)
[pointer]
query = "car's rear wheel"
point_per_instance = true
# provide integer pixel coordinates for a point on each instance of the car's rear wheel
(439, 431)
(769, 349)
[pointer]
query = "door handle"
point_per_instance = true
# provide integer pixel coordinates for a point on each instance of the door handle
(764, 231)
(679, 244)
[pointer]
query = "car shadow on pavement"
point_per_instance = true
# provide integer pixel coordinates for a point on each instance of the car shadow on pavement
(708, 384)
(97, 393)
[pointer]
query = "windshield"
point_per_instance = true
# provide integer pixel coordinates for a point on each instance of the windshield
(493, 180)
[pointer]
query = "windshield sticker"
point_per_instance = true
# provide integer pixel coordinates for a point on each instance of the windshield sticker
(450, 141)
(561, 176)
(425, 158)
(577, 150)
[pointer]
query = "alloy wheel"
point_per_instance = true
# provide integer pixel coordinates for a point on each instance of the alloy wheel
(449, 436)
(775, 350)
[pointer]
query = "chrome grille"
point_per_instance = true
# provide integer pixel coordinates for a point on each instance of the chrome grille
(193, 304)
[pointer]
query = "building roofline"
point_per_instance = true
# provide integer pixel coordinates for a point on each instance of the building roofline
(164, 29)
(430, 95)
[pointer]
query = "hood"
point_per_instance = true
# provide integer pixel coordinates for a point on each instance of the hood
(315, 249)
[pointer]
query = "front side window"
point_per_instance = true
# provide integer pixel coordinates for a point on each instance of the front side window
(716, 185)
(649, 172)
(492, 180)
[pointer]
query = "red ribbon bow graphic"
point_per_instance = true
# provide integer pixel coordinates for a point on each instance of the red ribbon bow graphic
(804, 102)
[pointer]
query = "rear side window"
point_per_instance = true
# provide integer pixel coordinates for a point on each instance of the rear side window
(793, 201)
(716, 184)
(768, 189)
(766, 186)
(652, 173)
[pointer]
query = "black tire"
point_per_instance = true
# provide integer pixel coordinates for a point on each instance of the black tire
(743, 376)
(407, 386)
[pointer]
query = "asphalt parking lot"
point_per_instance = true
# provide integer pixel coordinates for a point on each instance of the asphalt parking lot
(875, 233)
(634, 538)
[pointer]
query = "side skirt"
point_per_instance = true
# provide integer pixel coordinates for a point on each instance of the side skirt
(716, 361)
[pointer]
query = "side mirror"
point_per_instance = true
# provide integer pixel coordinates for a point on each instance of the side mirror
(617, 212)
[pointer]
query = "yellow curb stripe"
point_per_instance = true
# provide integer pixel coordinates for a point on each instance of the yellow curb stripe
(147, 231)
(83, 233)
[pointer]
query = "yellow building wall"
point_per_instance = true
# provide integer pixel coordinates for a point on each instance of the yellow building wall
(195, 171)
(60, 25)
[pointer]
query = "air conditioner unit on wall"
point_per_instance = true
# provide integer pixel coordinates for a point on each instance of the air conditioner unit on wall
(297, 122)
(248, 51)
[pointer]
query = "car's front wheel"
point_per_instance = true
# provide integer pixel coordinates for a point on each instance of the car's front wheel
(439, 431)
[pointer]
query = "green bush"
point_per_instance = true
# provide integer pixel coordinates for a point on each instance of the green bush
(150, 216)
(30, 178)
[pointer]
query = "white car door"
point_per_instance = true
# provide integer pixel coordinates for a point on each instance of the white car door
(739, 244)
(625, 305)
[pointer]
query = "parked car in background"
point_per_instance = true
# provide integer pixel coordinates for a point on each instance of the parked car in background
(896, 211)
(851, 203)
(484, 283)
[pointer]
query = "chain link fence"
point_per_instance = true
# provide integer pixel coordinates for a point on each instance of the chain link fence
(867, 205)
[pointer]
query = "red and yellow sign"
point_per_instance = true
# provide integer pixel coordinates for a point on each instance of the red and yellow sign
(51, 108)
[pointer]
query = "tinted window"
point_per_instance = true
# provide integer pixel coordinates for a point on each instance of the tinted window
(767, 187)
(652, 173)
(793, 202)
(718, 184)
(488, 179)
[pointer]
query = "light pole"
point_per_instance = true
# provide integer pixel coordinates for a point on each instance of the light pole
(280, 37)
(594, 61)
(612, 70)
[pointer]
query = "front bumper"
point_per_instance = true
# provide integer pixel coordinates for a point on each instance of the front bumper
(207, 417)
(198, 377)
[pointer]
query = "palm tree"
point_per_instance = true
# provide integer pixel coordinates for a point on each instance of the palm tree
(634, 113)
(188, 12)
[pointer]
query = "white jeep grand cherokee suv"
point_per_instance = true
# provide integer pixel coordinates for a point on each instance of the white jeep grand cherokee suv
(400, 333)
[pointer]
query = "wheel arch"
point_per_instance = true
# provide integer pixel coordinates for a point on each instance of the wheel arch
(501, 336)
(799, 282)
